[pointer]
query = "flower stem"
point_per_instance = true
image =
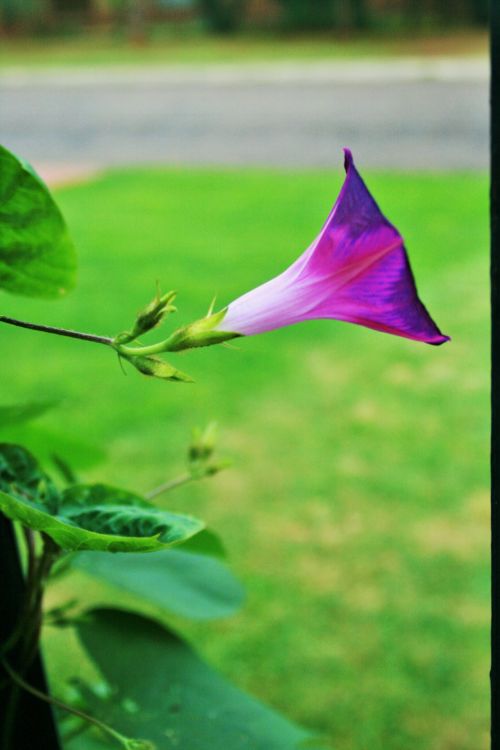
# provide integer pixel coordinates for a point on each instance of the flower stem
(172, 484)
(57, 331)
(143, 351)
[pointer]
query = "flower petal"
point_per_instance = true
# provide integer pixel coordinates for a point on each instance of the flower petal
(357, 270)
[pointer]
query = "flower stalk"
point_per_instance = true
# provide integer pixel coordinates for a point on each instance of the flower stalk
(106, 340)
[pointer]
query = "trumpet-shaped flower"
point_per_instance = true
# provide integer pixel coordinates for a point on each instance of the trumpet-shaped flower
(356, 270)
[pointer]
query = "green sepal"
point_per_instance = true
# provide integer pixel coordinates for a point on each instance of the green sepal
(153, 314)
(200, 333)
(149, 317)
(157, 368)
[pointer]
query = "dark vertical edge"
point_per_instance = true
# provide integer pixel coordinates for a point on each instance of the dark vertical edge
(495, 374)
(34, 717)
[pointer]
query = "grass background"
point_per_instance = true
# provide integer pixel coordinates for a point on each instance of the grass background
(357, 511)
(180, 45)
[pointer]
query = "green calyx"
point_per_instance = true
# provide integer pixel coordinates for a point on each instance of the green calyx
(203, 332)
(158, 368)
(150, 317)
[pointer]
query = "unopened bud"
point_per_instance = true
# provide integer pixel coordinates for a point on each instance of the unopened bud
(203, 443)
(153, 314)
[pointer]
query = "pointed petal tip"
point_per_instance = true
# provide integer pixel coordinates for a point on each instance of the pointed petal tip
(348, 158)
(438, 340)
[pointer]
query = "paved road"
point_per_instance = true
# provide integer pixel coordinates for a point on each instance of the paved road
(410, 114)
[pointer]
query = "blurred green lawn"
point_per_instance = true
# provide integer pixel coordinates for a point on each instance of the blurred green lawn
(357, 511)
(178, 45)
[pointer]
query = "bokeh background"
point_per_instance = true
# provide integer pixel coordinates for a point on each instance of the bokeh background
(198, 144)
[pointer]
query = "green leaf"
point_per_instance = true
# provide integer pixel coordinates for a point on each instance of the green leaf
(45, 442)
(94, 517)
(14, 414)
(37, 257)
(182, 703)
(189, 585)
(21, 476)
(206, 543)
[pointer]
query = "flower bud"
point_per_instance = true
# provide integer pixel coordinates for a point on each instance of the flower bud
(152, 315)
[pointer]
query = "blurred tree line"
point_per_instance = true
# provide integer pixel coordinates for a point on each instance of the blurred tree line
(227, 16)
(365, 14)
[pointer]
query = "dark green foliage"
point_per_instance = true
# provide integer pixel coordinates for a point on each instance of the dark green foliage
(479, 11)
(360, 14)
(223, 16)
(417, 14)
(309, 15)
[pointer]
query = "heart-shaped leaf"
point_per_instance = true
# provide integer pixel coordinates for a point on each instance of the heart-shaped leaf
(206, 543)
(187, 584)
(37, 257)
(179, 701)
(94, 517)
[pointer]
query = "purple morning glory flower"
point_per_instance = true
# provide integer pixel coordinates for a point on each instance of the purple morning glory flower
(356, 270)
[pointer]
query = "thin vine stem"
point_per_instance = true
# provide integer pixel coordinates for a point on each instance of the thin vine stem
(106, 340)
(21, 683)
(171, 485)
